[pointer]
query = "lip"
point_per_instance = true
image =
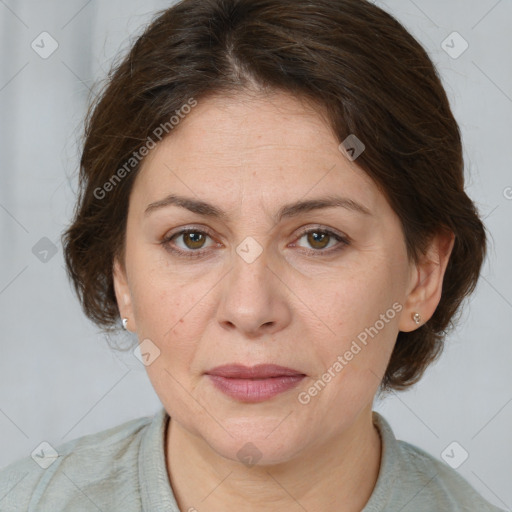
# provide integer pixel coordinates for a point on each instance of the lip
(254, 383)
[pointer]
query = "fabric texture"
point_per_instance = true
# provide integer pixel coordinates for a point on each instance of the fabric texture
(123, 469)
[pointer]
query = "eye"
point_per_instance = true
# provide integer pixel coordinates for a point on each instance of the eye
(193, 242)
(323, 240)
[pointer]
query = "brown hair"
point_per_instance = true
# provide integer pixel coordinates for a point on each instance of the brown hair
(369, 76)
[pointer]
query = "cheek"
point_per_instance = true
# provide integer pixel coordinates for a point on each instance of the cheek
(157, 289)
(169, 304)
(362, 312)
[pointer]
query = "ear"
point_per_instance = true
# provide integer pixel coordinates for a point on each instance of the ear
(123, 295)
(426, 282)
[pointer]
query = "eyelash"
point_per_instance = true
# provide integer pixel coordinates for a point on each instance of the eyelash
(343, 241)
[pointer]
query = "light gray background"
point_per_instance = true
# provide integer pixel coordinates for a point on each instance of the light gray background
(60, 380)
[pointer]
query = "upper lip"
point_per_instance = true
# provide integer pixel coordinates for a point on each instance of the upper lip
(260, 371)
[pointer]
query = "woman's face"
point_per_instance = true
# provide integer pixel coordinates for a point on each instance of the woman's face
(258, 280)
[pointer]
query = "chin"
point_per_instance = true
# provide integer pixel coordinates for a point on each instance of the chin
(257, 441)
(259, 452)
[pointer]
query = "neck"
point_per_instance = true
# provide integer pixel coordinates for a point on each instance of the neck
(339, 475)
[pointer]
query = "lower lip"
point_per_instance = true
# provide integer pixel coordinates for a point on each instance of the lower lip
(255, 390)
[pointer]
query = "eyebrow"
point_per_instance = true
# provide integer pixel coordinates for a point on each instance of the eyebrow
(286, 211)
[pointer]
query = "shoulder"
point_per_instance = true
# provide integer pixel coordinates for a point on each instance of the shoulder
(420, 482)
(439, 482)
(81, 473)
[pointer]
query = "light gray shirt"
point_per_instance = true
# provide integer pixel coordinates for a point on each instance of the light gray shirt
(123, 469)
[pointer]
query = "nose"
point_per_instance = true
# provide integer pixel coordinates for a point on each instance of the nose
(253, 299)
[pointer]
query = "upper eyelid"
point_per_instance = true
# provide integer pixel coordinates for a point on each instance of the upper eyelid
(182, 231)
(321, 228)
(302, 230)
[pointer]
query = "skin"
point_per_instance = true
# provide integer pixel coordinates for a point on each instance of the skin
(249, 155)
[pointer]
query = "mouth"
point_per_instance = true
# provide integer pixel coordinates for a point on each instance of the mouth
(256, 383)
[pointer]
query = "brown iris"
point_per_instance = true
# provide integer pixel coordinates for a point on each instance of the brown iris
(193, 239)
(318, 240)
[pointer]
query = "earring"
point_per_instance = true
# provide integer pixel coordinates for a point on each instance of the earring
(417, 318)
(125, 324)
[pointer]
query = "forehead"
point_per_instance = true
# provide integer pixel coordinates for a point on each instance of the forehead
(256, 147)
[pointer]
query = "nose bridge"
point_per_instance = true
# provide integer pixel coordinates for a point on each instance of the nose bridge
(251, 300)
(249, 272)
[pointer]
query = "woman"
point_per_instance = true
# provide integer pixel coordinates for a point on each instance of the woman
(272, 199)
